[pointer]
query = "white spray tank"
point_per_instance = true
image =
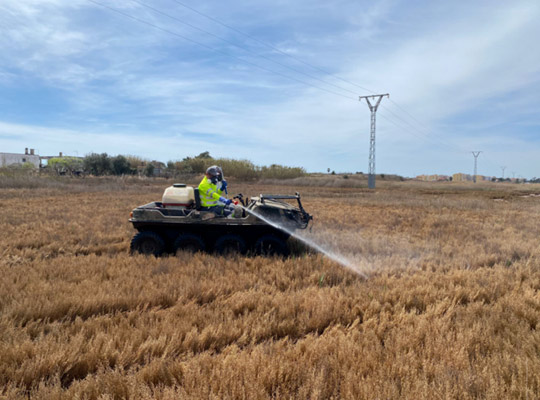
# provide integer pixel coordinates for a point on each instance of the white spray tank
(178, 196)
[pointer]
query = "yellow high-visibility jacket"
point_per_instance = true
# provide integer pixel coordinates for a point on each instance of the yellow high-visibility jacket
(209, 193)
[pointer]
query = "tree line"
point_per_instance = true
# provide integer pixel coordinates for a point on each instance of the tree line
(103, 164)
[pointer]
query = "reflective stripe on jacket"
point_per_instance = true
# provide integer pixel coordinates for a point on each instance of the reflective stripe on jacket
(209, 193)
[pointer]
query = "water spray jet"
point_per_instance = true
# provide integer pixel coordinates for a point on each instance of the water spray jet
(332, 255)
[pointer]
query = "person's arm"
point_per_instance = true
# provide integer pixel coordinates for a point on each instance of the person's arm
(216, 194)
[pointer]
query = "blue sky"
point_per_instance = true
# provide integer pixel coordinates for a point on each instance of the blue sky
(78, 77)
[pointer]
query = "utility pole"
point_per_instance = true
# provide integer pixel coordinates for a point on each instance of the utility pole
(503, 168)
(373, 109)
(475, 154)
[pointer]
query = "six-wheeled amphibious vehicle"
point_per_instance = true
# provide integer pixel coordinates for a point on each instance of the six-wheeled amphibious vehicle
(177, 223)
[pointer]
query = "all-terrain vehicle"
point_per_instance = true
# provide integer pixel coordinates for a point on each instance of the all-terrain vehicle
(259, 225)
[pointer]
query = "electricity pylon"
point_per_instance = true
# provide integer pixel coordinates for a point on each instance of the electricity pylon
(475, 154)
(373, 109)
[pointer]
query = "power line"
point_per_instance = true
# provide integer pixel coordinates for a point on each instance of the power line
(429, 132)
(461, 150)
(406, 112)
(404, 128)
(415, 132)
(254, 64)
(494, 164)
(216, 50)
(243, 48)
(296, 59)
(435, 135)
(270, 46)
(247, 61)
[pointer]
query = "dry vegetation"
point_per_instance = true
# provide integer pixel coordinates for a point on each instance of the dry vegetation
(451, 308)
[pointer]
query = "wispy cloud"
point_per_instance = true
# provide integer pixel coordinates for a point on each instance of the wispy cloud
(467, 72)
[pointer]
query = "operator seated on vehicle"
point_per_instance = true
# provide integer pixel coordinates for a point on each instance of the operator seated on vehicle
(211, 189)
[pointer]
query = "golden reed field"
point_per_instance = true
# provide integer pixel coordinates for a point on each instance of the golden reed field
(450, 308)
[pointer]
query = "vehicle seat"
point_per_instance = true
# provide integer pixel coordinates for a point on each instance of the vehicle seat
(197, 199)
(198, 206)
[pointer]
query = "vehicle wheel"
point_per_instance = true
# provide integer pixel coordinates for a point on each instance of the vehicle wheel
(230, 244)
(148, 243)
(188, 242)
(270, 245)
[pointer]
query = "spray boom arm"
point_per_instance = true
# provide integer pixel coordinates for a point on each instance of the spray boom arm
(305, 216)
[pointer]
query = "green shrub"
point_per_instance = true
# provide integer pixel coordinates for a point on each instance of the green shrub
(136, 164)
(275, 171)
(65, 165)
(120, 165)
(28, 166)
(197, 164)
(240, 169)
(149, 169)
(98, 164)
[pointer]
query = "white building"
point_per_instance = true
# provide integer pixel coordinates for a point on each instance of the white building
(7, 159)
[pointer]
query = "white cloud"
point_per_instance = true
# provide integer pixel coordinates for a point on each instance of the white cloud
(52, 140)
(463, 59)
(128, 88)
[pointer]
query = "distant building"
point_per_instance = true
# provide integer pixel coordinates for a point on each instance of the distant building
(469, 178)
(7, 159)
(159, 167)
(443, 178)
(433, 178)
(158, 170)
(460, 177)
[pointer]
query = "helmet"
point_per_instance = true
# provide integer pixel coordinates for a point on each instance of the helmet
(214, 173)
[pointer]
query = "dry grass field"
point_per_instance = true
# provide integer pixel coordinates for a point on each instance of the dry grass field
(450, 308)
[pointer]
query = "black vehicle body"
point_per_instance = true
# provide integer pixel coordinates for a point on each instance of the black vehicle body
(252, 229)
